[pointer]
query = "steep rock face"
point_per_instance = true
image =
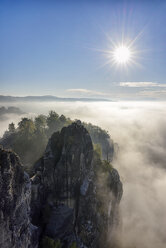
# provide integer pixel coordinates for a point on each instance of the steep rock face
(73, 200)
(15, 191)
(66, 198)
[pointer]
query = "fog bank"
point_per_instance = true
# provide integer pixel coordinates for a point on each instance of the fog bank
(139, 128)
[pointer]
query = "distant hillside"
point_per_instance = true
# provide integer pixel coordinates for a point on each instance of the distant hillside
(47, 98)
(5, 112)
(10, 110)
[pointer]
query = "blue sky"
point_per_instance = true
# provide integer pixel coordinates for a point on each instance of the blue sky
(57, 48)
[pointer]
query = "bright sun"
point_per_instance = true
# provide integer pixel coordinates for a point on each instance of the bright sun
(122, 55)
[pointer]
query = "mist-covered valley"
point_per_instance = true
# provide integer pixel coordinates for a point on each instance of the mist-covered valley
(139, 129)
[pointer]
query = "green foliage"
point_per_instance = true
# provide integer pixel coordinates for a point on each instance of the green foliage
(26, 126)
(106, 166)
(100, 136)
(96, 132)
(24, 138)
(73, 245)
(30, 138)
(97, 157)
(11, 128)
(62, 119)
(58, 244)
(47, 242)
(53, 122)
(56, 123)
(97, 150)
(40, 122)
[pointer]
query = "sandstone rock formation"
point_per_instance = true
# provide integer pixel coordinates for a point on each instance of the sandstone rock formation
(66, 187)
(15, 191)
(71, 201)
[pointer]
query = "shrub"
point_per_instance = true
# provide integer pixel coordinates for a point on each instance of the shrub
(73, 245)
(47, 242)
(107, 166)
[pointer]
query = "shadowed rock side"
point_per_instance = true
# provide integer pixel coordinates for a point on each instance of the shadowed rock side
(73, 198)
(68, 202)
(15, 191)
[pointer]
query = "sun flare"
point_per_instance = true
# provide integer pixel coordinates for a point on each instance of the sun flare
(122, 55)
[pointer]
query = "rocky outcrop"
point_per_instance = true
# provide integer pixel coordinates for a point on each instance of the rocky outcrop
(67, 198)
(16, 231)
(71, 201)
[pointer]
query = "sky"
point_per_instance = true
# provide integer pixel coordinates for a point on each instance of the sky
(64, 48)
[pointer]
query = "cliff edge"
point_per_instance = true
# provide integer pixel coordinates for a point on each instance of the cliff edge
(80, 206)
(71, 201)
(16, 229)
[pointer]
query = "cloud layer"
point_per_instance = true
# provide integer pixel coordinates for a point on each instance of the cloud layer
(139, 128)
(131, 90)
(142, 84)
(88, 92)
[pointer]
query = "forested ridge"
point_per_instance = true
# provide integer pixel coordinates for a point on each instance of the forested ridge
(30, 137)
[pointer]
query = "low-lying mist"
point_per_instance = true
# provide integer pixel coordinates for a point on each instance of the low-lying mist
(139, 128)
